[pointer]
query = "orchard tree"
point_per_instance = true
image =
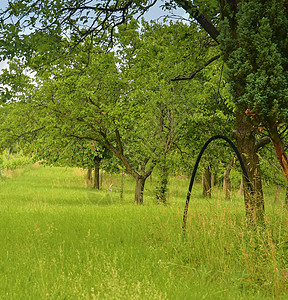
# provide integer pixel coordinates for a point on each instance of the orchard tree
(162, 50)
(257, 57)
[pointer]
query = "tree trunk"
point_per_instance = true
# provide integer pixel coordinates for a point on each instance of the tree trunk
(89, 176)
(212, 180)
(207, 182)
(96, 172)
(281, 156)
(286, 198)
(139, 189)
(161, 189)
(122, 186)
(101, 179)
(226, 180)
(280, 151)
(247, 146)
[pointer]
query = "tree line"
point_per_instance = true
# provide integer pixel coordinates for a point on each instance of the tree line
(99, 74)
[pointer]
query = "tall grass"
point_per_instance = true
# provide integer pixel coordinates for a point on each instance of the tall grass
(60, 239)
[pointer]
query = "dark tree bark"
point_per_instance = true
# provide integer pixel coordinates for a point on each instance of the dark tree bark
(280, 150)
(286, 198)
(245, 137)
(122, 185)
(245, 132)
(97, 161)
(139, 189)
(139, 176)
(89, 176)
(161, 190)
(248, 147)
(207, 182)
(203, 20)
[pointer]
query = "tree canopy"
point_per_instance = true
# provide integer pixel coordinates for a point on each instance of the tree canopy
(124, 99)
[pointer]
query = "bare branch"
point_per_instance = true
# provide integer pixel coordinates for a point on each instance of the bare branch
(178, 78)
(262, 142)
(203, 20)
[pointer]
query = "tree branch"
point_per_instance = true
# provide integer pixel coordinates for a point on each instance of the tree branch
(262, 142)
(193, 11)
(178, 78)
(118, 138)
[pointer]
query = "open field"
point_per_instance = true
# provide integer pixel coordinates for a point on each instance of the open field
(63, 240)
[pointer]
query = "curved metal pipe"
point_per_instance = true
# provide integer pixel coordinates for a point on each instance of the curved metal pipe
(248, 182)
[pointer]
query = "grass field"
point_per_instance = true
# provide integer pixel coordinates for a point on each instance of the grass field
(60, 239)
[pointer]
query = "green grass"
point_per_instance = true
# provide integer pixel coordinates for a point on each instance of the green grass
(62, 240)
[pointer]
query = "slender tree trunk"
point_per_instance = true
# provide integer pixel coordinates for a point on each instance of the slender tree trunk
(122, 186)
(207, 182)
(212, 180)
(96, 172)
(89, 176)
(139, 189)
(281, 155)
(101, 178)
(247, 146)
(286, 198)
(161, 189)
(226, 180)
(280, 151)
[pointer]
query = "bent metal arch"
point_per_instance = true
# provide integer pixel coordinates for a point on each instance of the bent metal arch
(215, 137)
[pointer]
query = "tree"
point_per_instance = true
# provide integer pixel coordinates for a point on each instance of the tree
(259, 64)
(161, 46)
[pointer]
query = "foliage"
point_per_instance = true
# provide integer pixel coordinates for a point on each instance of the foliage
(92, 95)
(258, 60)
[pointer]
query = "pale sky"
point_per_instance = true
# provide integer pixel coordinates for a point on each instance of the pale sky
(153, 14)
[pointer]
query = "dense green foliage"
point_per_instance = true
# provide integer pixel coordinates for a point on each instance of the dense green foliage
(106, 98)
(258, 60)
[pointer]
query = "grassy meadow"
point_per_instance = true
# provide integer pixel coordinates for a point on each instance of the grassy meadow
(60, 239)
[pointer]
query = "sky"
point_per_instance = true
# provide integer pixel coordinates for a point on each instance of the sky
(154, 13)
